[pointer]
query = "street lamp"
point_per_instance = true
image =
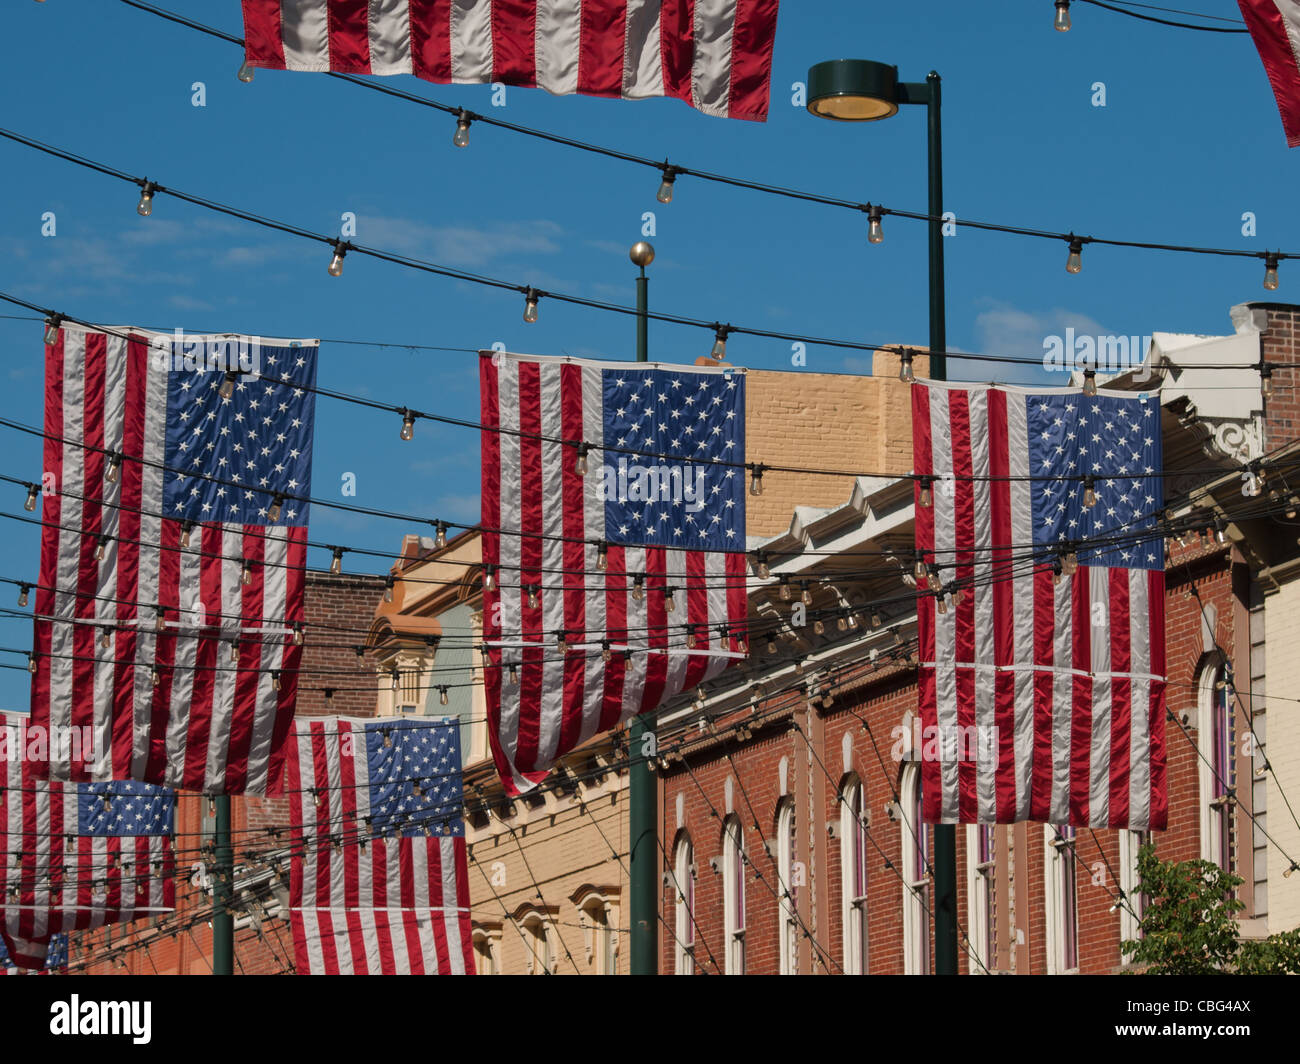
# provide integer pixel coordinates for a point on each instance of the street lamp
(859, 90)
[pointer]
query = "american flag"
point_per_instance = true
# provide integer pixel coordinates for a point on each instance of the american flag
(77, 855)
(195, 704)
(1046, 691)
(1275, 27)
(381, 886)
(642, 557)
(716, 55)
(56, 959)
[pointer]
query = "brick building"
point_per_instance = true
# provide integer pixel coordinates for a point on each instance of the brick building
(791, 793)
(333, 680)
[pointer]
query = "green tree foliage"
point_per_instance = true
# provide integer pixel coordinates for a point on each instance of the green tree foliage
(1189, 925)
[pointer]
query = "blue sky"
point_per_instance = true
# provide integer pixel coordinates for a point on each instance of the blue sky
(1189, 140)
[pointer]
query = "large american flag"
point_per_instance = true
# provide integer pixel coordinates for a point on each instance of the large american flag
(214, 720)
(716, 55)
(671, 529)
(1047, 695)
(56, 959)
(381, 885)
(77, 855)
(1275, 27)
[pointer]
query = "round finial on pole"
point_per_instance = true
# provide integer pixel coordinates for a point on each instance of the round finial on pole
(641, 254)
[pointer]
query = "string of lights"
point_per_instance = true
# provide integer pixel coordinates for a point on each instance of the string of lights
(1062, 21)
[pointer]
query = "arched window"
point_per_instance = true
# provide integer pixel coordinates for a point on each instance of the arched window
(537, 939)
(1217, 765)
(1061, 884)
(684, 895)
(853, 875)
(788, 922)
(916, 872)
(598, 914)
(734, 874)
(981, 885)
(1135, 902)
(486, 951)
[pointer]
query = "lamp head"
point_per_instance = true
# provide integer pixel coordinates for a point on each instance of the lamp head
(853, 90)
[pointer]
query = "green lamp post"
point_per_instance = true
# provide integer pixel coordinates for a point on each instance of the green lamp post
(859, 90)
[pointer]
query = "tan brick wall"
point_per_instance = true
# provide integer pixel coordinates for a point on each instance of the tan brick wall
(1282, 623)
(824, 421)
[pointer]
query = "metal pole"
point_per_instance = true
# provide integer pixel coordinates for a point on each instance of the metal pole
(223, 881)
(643, 784)
(945, 835)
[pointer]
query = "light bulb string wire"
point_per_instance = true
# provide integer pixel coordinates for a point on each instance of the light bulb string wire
(723, 179)
(1239, 27)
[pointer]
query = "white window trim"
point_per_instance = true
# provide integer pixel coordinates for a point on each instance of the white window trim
(916, 939)
(599, 917)
(1209, 786)
(491, 939)
(788, 921)
(683, 878)
(733, 866)
(853, 916)
(1054, 864)
(531, 924)
(1130, 842)
(978, 877)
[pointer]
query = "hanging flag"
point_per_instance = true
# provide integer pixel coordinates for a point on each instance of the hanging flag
(381, 885)
(56, 959)
(77, 855)
(1275, 27)
(161, 540)
(716, 55)
(616, 589)
(1042, 658)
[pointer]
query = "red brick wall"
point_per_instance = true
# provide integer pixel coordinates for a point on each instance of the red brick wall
(1281, 343)
(339, 611)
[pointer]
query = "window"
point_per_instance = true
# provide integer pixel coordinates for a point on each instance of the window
(788, 922)
(537, 941)
(1060, 881)
(981, 884)
(1135, 903)
(599, 916)
(733, 886)
(1217, 765)
(684, 891)
(916, 870)
(486, 952)
(853, 876)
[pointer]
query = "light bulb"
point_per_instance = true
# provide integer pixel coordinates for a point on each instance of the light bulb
(1057, 571)
(875, 620)
(514, 675)
(52, 324)
(23, 591)
(606, 654)
(277, 505)
(763, 569)
(719, 351)
(440, 537)
(670, 603)
(935, 583)
(1270, 272)
(1265, 380)
(1062, 21)
(145, 207)
(756, 480)
(489, 578)
(842, 623)
(155, 677)
(246, 573)
(397, 679)
(101, 548)
(408, 425)
(665, 193)
(1070, 563)
(927, 496)
(245, 72)
(186, 528)
(530, 305)
(227, 388)
(1074, 264)
(160, 620)
(806, 596)
(461, 137)
(638, 588)
(336, 563)
(114, 468)
(690, 638)
(905, 372)
(602, 556)
(234, 652)
(819, 627)
(940, 603)
(786, 592)
(336, 263)
(30, 504)
(580, 463)
(875, 232)
(1089, 382)
(106, 637)
(388, 588)
(31, 663)
(532, 597)
(1089, 493)
(275, 679)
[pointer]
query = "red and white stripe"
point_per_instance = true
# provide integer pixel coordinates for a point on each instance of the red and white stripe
(51, 883)
(1076, 708)
(1275, 27)
(551, 521)
(390, 906)
(716, 55)
(209, 725)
